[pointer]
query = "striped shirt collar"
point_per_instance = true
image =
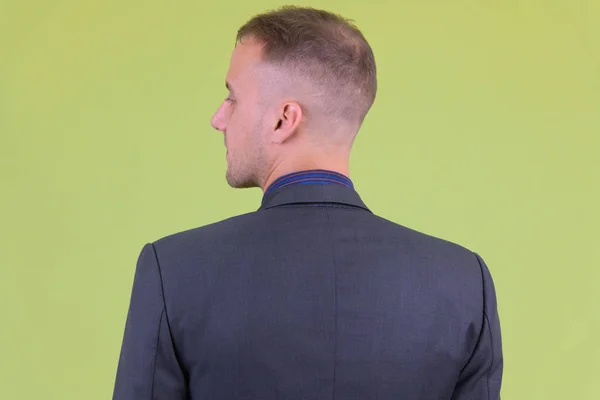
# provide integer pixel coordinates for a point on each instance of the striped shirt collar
(313, 176)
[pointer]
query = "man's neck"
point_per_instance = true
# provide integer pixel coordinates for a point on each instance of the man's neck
(283, 169)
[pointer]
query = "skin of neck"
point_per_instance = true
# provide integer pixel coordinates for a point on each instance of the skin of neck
(308, 159)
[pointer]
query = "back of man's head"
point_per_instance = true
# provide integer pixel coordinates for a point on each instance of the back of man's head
(323, 50)
(301, 82)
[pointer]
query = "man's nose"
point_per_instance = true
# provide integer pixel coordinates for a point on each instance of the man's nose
(218, 121)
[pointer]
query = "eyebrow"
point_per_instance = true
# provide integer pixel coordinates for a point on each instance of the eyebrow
(228, 86)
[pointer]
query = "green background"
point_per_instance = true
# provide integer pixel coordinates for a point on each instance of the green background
(485, 132)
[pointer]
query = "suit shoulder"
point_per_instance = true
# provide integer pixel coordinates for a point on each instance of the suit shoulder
(206, 233)
(421, 236)
(428, 245)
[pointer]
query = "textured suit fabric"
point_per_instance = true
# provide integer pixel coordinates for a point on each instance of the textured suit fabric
(312, 296)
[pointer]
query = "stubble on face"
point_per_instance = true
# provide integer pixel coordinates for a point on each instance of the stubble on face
(247, 165)
(247, 160)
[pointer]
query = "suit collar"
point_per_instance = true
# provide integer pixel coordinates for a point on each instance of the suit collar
(311, 194)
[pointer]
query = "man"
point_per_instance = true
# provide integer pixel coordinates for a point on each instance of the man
(312, 296)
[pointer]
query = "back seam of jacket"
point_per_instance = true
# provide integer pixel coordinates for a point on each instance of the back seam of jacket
(335, 308)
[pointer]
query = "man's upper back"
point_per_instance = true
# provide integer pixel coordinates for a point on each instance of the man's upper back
(311, 297)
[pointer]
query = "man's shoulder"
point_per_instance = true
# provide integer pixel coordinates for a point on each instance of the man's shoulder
(430, 251)
(211, 232)
(414, 238)
(234, 231)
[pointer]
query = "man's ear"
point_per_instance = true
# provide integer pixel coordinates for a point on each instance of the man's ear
(288, 120)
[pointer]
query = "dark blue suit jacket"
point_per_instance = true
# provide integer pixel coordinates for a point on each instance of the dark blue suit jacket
(310, 297)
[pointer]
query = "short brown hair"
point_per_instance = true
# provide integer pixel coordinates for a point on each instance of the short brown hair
(326, 48)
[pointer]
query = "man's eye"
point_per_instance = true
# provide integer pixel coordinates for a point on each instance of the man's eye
(230, 100)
